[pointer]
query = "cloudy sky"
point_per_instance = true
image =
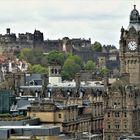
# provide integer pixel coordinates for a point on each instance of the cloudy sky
(100, 20)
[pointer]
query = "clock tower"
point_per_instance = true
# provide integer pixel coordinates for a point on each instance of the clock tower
(130, 48)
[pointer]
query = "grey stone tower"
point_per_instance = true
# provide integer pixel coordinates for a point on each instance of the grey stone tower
(130, 48)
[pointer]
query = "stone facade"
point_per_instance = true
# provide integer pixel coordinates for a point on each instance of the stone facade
(121, 107)
(121, 102)
(67, 117)
(130, 48)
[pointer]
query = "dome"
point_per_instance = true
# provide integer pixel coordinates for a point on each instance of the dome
(134, 16)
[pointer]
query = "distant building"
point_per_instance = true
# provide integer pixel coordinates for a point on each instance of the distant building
(10, 43)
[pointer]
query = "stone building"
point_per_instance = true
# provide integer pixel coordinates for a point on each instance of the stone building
(121, 110)
(76, 107)
(121, 102)
(69, 117)
(88, 97)
(130, 48)
(10, 43)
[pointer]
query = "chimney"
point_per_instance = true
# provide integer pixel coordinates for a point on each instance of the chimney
(45, 81)
(78, 80)
(106, 82)
(8, 31)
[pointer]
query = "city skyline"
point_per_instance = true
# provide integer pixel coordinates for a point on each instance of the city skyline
(99, 20)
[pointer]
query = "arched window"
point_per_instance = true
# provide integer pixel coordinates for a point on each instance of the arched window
(55, 70)
(52, 71)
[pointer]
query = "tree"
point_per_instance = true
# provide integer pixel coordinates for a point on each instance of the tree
(24, 53)
(90, 65)
(44, 61)
(78, 61)
(97, 47)
(104, 70)
(57, 57)
(72, 65)
(35, 56)
(38, 69)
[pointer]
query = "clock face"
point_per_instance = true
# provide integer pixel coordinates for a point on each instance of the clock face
(132, 45)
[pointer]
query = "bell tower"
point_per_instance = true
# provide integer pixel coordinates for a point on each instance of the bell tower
(130, 48)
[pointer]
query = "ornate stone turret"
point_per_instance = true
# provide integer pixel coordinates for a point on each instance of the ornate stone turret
(134, 16)
(134, 19)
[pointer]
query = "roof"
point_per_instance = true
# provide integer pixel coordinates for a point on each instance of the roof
(22, 104)
(88, 84)
(33, 77)
(134, 16)
(136, 26)
(26, 126)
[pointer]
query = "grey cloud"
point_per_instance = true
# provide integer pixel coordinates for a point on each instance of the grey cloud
(84, 17)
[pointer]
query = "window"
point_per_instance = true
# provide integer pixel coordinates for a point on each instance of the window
(125, 114)
(109, 126)
(55, 70)
(115, 104)
(59, 115)
(117, 125)
(125, 125)
(52, 71)
(119, 104)
(117, 114)
(34, 115)
(116, 137)
(109, 137)
(108, 114)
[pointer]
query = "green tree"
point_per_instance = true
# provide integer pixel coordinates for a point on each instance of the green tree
(38, 69)
(72, 65)
(78, 61)
(90, 65)
(57, 57)
(35, 56)
(44, 61)
(97, 47)
(104, 70)
(24, 53)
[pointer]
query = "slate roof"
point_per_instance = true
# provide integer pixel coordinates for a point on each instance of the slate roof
(33, 77)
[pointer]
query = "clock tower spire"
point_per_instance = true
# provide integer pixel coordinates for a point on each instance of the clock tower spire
(130, 48)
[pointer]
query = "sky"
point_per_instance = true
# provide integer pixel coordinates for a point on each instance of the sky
(100, 20)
